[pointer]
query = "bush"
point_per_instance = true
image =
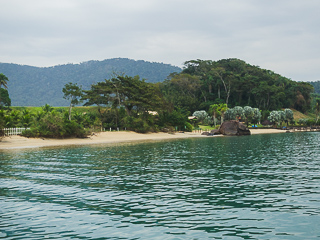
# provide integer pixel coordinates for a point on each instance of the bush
(310, 122)
(137, 125)
(30, 133)
(173, 119)
(73, 129)
(189, 127)
(53, 125)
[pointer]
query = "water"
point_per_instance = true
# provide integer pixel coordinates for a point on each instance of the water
(251, 187)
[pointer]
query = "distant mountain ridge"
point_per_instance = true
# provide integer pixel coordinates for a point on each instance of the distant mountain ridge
(37, 86)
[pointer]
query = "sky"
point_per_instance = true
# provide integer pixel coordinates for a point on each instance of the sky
(279, 35)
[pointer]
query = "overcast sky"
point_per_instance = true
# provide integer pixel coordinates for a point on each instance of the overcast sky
(280, 35)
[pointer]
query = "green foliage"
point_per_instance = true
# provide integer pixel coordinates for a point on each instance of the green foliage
(131, 93)
(48, 123)
(256, 116)
(188, 127)
(4, 95)
(239, 112)
(230, 114)
(218, 110)
(307, 122)
(138, 124)
(288, 116)
(26, 119)
(236, 83)
(175, 119)
(248, 114)
(47, 108)
(277, 117)
(316, 86)
(3, 81)
(73, 93)
(2, 122)
(200, 115)
(182, 91)
(4, 98)
(74, 129)
(125, 102)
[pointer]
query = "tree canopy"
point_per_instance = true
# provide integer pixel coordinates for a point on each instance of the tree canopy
(235, 83)
(4, 94)
(73, 93)
(316, 85)
(124, 91)
(137, 97)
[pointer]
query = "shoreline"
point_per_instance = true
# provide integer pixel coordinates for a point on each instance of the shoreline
(18, 142)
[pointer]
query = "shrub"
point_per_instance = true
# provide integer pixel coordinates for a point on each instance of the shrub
(175, 119)
(310, 122)
(137, 125)
(53, 125)
(189, 127)
(33, 132)
(73, 129)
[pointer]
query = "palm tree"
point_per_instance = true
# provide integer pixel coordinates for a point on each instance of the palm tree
(3, 81)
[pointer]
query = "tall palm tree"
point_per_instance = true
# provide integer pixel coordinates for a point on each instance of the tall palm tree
(3, 81)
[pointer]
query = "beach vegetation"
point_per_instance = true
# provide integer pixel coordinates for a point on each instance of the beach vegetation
(54, 124)
(211, 91)
(201, 116)
(217, 111)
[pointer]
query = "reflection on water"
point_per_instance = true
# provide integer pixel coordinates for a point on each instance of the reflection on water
(252, 187)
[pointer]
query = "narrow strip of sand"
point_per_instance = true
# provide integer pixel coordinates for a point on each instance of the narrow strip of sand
(18, 142)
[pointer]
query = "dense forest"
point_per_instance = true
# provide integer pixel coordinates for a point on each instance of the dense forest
(35, 86)
(316, 86)
(212, 91)
(235, 83)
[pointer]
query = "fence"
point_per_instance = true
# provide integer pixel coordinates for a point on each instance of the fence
(13, 131)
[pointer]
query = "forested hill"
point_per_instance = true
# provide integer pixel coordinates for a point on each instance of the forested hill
(235, 83)
(35, 86)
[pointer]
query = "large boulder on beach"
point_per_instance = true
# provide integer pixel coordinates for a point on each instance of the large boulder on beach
(234, 128)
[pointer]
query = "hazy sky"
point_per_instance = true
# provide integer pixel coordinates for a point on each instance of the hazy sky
(280, 35)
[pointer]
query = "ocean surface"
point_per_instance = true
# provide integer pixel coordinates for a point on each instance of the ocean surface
(251, 187)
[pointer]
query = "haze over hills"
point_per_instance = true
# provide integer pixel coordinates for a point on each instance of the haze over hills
(37, 86)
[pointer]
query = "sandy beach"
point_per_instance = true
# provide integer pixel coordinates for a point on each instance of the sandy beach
(18, 142)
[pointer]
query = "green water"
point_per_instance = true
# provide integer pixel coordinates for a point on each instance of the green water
(251, 187)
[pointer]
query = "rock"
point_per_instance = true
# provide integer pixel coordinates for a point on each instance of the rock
(215, 132)
(211, 133)
(234, 128)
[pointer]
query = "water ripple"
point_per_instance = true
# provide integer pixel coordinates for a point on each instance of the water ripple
(255, 187)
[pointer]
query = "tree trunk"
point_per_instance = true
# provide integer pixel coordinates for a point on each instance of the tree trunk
(70, 111)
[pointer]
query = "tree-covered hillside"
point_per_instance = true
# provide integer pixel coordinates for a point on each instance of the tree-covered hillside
(34, 86)
(234, 83)
(316, 86)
